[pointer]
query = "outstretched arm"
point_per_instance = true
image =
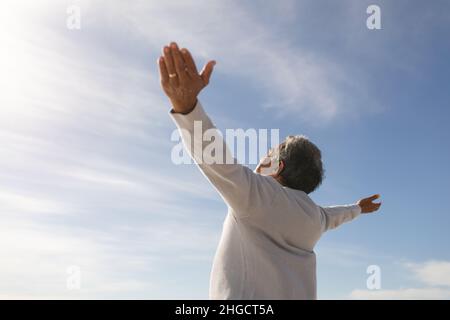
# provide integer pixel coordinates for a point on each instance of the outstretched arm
(241, 188)
(334, 216)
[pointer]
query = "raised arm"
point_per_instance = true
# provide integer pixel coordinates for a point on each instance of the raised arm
(334, 216)
(241, 188)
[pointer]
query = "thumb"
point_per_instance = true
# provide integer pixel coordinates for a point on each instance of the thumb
(207, 70)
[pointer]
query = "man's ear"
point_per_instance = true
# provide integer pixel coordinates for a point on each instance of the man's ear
(280, 167)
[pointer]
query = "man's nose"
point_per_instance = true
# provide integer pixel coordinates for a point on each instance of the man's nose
(265, 162)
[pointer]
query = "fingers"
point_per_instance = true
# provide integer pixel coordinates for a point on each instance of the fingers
(190, 64)
(207, 71)
(168, 59)
(163, 74)
(371, 207)
(180, 66)
(374, 197)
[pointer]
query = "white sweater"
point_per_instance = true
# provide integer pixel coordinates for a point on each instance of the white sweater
(269, 233)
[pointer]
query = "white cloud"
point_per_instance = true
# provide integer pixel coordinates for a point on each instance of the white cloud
(435, 275)
(37, 257)
(117, 262)
(432, 273)
(13, 202)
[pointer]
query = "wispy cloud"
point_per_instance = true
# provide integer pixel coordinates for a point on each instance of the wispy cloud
(432, 273)
(293, 78)
(13, 202)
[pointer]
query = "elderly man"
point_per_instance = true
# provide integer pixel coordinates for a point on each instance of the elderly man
(267, 246)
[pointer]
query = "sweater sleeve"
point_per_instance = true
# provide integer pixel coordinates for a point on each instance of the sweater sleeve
(242, 189)
(334, 216)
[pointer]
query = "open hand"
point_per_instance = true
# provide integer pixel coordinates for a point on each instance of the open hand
(367, 205)
(180, 79)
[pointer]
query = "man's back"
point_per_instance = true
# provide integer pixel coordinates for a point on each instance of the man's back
(269, 255)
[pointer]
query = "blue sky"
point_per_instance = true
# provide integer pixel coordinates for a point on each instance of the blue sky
(85, 170)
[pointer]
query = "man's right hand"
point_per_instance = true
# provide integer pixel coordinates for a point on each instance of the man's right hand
(367, 205)
(180, 79)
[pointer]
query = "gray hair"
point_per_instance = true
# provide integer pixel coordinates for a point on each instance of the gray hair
(302, 159)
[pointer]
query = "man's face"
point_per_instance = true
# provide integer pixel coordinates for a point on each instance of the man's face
(270, 164)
